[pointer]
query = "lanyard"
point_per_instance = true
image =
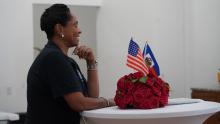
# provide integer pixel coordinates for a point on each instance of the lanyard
(80, 75)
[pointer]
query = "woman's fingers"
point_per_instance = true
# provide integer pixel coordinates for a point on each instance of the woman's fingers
(84, 52)
(111, 102)
(75, 51)
(79, 51)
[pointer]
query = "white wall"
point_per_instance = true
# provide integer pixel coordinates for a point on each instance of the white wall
(159, 21)
(15, 53)
(206, 43)
(184, 36)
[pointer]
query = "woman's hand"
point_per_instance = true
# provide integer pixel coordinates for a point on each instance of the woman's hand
(86, 53)
(111, 102)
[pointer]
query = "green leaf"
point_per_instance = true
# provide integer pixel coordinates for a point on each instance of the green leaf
(143, 79)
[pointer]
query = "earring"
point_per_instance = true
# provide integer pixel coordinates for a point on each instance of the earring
(62, 35)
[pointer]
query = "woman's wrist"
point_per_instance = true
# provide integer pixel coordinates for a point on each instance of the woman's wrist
(107, 103)
(92, 65)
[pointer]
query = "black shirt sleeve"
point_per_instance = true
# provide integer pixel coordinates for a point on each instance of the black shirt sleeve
(62, 79)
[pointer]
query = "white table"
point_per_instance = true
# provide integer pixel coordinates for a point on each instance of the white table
(194, 113)
(5, 116)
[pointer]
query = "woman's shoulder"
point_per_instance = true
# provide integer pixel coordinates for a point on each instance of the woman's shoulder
(51, 50)
(50, 56)
(52, 53)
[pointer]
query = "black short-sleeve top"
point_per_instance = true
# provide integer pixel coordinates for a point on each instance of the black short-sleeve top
(51, 76)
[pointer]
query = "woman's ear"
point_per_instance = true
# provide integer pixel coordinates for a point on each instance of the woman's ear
(59, 30)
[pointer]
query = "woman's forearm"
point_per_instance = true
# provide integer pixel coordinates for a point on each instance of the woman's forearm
(93, 83)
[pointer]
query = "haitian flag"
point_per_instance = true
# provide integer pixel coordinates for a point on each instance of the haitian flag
(151, 61)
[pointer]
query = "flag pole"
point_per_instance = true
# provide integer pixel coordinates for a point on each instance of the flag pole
(146, 42)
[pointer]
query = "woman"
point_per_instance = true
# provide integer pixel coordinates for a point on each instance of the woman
(56, 89)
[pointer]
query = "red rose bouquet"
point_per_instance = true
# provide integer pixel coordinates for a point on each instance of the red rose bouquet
(141, 92)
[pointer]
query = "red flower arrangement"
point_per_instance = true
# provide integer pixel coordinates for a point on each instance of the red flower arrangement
(141, 92)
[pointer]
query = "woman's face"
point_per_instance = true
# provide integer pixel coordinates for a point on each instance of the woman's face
(72, 33)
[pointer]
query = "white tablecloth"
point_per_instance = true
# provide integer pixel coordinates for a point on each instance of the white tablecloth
(4, 116)
(193, 113)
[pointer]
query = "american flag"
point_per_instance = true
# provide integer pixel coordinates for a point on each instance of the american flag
(135, 58)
